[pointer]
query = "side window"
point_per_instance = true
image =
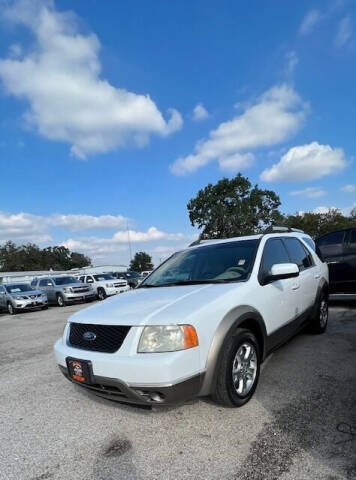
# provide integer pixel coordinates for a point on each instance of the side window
(331, 244)
(298, 254)
(309, 242)
(273, 253)
(44, 282)
(82, 278)
(90, 279)
(351, 244)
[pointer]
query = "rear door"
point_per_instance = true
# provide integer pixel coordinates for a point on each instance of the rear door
(308, 272)
(350, 262)
(331, 249)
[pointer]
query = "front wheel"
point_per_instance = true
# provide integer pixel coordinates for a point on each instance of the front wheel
(319, 320)
(101, 294)
(11, 309)
(60, 300)
(238, 370)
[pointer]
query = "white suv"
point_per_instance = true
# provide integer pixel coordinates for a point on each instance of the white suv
(105, 284)
(201, 324)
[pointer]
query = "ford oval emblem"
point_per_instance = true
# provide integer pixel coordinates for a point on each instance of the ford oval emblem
(89, 336)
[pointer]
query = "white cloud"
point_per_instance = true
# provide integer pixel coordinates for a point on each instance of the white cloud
(151, 234)
(306, 162)
(116, 248)
(323, 209)
(277, 114)
(311, 19)
(236, 162)
(310, 192)
(22, 227)
(344, 32)
(349, 188)
(200, 113)
(292, 61)
(68, 101)
(85, 222)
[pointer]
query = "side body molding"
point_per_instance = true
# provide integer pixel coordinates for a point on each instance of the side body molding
(226, 328)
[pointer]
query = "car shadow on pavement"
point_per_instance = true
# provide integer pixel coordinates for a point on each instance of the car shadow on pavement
(309, 388)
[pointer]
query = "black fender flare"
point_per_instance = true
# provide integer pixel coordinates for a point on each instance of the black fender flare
(225, 329)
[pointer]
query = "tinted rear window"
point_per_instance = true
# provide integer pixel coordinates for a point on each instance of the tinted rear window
(331, 244)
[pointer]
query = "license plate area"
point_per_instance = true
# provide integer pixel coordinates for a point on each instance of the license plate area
(80, 370)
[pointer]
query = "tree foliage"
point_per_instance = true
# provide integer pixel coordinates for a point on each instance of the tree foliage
(233, 207)
(316, 224)
(15, 258)
(142, 261)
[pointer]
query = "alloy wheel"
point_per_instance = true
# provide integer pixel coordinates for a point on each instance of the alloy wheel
(244, 369)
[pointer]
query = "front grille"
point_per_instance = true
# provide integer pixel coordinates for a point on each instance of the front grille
(120, 284)
(34, 296)
(80, 289)
(109, 338)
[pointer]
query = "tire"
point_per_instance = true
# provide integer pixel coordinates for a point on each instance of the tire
(11, 309)
(238, 369)
(60, 300)
(101, 294)
(319, 319)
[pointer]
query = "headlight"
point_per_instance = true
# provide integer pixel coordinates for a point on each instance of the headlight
(17, 297)
(67, 289)
(109, 285)
(167, 338)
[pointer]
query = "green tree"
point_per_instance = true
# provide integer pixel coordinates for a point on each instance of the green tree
(142, 261)
(316, 224)
(233, 207)
(14, 258)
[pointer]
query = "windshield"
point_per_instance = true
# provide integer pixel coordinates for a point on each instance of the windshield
(20, 287)
(65, 280)
(103, 276)
(219, 263)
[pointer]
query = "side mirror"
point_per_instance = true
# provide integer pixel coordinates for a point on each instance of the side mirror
(90, 280)
(282, 271)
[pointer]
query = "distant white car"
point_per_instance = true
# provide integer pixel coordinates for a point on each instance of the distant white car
(105, 285)
(201, 324)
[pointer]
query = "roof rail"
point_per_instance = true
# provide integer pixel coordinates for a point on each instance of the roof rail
(201, 240)
(281, 229)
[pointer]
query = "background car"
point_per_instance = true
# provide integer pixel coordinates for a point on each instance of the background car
(132, 278)
(64, 289)
(16, 297)
(338, 250)
(105, 285)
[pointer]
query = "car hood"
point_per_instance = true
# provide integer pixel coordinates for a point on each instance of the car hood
(26, 294)
(155, 306)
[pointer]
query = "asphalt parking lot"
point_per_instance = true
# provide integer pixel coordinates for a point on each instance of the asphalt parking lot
(301, 423)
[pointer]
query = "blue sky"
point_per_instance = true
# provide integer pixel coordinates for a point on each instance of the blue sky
(115, 114)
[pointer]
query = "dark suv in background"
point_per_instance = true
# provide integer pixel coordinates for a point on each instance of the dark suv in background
(338, 250)
(132, 278)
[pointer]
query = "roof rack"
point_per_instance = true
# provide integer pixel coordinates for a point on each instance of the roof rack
(280, 229)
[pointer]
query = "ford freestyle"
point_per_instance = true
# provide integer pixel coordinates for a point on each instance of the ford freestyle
(201, 324)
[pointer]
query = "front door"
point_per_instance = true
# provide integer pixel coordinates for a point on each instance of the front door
(279, 299)
(350, 262)
(331, 249)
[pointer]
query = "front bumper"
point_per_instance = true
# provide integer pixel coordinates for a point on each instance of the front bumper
(77, 297)
(119, 391)
(30, 304)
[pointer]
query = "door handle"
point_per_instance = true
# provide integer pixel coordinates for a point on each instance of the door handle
(329, 263)
(317, 275)
(295, 286)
